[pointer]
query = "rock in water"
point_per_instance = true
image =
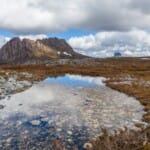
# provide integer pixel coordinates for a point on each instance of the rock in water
(35, 122)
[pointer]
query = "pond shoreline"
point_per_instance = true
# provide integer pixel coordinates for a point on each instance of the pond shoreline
(84, 103)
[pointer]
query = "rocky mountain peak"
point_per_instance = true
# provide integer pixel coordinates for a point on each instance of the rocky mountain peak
(25, 50)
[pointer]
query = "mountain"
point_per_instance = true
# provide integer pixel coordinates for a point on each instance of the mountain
(17, 51)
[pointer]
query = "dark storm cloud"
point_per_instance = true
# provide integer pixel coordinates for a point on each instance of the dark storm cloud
(38, 16)
(140, 5)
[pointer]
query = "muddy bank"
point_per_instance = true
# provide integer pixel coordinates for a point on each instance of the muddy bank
(11, 85)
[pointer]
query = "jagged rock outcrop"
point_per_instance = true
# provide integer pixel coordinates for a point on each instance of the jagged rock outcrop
(61, 46)
(18, 51)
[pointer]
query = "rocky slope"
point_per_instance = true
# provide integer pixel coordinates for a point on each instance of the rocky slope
(62, 47)
(26, 51)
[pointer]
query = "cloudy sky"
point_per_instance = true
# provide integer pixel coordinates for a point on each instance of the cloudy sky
(93, 27)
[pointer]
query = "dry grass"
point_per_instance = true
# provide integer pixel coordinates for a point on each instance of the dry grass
(124, 140)
(120, 140)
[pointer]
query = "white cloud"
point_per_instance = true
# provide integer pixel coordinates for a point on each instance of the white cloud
(38, 16)
(105, 44)
(4, 40)
(33, 37)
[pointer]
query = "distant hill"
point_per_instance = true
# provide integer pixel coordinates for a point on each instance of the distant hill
(26, 51)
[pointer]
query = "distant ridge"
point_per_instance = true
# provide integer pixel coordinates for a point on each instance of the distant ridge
(17, 51)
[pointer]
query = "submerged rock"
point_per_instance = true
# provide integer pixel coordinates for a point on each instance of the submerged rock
(35, 122)
(69, 132)
(59, 129)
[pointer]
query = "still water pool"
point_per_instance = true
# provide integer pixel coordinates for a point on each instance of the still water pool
(71, 108)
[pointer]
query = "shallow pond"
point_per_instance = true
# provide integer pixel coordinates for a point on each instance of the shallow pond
(70, 108)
